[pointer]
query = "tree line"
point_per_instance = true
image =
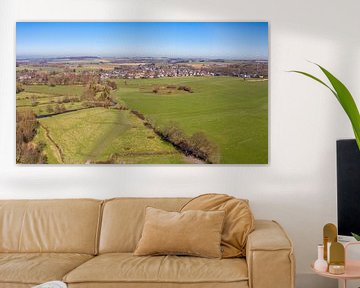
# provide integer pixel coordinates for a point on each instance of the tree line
(28, 152)
(197, 145)
(53, 78)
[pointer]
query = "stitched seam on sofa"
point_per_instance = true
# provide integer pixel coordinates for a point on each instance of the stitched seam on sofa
(292, 279)
(22, 226)
(67, 273)
(250, 270)
(77, 266)
(98, 228)
(291, 255)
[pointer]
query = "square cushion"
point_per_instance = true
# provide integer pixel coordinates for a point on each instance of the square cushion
(36, 268)
(194, 232)
(158, 271)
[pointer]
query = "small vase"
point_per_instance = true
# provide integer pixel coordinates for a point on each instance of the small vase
(320, 264)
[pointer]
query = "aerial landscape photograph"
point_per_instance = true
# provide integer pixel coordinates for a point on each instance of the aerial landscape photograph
(142, 92)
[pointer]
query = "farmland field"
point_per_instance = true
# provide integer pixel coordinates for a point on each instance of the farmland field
(94, 134)
(230, 111)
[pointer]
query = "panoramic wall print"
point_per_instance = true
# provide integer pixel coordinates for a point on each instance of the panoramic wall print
(142, 93)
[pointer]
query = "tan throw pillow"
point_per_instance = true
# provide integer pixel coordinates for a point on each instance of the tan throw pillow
(195, 233)
(238, 224)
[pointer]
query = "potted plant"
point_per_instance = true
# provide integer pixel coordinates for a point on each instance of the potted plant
(344, 97)
(346, 100)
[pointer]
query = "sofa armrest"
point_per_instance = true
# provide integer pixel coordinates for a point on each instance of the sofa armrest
(270, 258)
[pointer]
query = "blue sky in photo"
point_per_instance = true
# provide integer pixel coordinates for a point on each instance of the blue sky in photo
(231, 40)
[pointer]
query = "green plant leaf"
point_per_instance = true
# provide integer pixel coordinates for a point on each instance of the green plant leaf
(347, 102)
(344, 97)
(316, 79)
(357, 237)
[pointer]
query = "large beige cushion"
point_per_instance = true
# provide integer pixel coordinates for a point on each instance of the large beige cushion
(127, 269)
(123, 220)
(194, 232)
(35, 268)
(68, 226)
(239, 220)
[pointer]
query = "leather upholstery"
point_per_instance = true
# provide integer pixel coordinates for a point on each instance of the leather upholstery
(192, 233)
(123, 218)
(126, 268)
(269, 255)
(37, 268)
(239, 220)
(15, 285)
(41, 226)
(64, 226)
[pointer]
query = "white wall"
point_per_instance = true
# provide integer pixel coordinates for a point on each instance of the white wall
(297, 188)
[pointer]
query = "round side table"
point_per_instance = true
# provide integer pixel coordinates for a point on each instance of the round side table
(352, 269)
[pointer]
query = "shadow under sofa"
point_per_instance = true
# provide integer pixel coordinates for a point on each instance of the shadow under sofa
(90, 243)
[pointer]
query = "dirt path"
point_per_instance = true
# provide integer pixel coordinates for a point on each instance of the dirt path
(123, 124)
(55, 147)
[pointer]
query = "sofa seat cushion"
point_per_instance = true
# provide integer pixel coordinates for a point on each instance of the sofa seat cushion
(36, 268)
(127, 268)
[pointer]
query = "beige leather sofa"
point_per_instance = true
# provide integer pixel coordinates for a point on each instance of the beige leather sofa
(89, 243)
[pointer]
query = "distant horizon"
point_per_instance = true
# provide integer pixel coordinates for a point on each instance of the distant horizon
(31, 57)
(208, 40)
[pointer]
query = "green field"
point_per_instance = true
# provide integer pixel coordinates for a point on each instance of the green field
(91, 135)
(46, 96)
(60, 90)
(230, 111)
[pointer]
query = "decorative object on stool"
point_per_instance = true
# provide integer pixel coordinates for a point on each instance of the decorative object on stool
(337, 258)
(320, 264)
(340, 266)
(329, 237)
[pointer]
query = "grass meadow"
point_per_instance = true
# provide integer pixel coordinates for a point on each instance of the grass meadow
(231, 112)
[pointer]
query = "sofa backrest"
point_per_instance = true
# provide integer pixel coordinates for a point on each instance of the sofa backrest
(67, 226)
(123, 220)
